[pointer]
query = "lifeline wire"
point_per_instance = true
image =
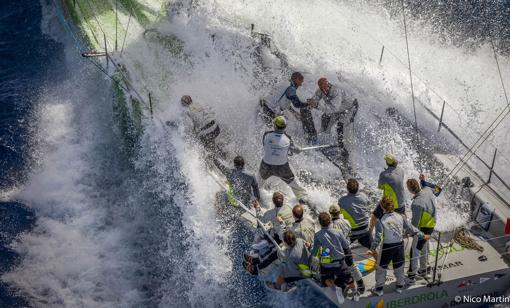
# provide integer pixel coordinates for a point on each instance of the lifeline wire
(421, 80)
(118, 82)
(410, 76)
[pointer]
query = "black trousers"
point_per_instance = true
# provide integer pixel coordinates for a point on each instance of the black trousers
(392, 253)
(308, 125)
(304, 113)
(340, 274)
(325, 122)
(282, 171)
(421, 243)
(292, 279)
(365, 239)
(208, 139)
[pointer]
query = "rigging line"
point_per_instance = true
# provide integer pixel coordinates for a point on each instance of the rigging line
(127, 29)
(497, 121)
(103, 70)
(417, 77)
(108, 56)
(97, 21)
(479, 142)
(88, 22)
(489, 28)
(499, 71)
(471, 151)
(100, 67)
(126, 81)
(386, 49)
(411, 80)
(77, 41)
(60, 15)
(116, 22)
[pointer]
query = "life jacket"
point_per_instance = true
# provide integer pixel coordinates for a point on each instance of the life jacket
(305, 270)
(231, 198)
(424, 201)
(276, 148)
(204, 119)
(283, 102)
(324, 255)
(393, 186)
(426, 220)
(349, 218)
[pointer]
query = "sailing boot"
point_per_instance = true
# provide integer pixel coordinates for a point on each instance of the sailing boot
(378, 291)
(339, 295)
(355, 295)
(361, 286)
(425, 273)
(411, 280)
(399, 289)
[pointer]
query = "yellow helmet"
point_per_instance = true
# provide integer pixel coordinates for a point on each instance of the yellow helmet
(280, 122)
(390, 159)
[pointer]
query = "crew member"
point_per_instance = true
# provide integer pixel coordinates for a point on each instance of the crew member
(277, 147)
(337, 109)
(355, 207)
(335, 257)
(280, 216)
(423, 210)
(390, 232)
(303, 226)
(295, 267)
(391, 182)
(201, 121)
(435, 188)
(338, 222)
(242, 186)
(289, 99)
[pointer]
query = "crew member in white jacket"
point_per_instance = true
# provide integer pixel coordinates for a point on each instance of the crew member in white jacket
(200, 121)
(389, 234)
(336, 107)
(277, 147)
(280, 216)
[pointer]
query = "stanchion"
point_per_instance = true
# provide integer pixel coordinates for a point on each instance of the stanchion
(382, 53)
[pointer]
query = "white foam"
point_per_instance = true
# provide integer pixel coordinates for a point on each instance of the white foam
(77, 254)
(320, 38)
(225, 83)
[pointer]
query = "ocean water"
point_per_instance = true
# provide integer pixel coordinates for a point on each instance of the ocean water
(85, 226)
(27, 58)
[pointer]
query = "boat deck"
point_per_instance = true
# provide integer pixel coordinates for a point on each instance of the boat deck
(460, 270)
(458, 262)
